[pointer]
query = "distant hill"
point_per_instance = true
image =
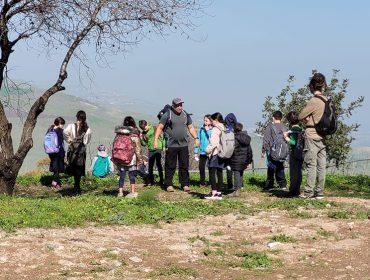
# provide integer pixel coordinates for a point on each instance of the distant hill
(102, 120)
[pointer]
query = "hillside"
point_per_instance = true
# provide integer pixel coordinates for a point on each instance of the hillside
(100, 118)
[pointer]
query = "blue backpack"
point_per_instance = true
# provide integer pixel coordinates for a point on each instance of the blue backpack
(101, 167)
(51, 142)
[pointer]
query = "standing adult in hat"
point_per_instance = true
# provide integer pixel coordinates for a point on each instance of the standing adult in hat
(176, 123)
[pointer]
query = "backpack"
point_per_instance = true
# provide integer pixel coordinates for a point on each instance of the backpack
(227, 144)
(328, 124)
(297, 149)
(51, 142)
(76, 155)
(167, 109)
(101, 167)
(279, 150)
(123, 149)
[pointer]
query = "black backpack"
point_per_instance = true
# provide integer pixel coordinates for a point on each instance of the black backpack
(167, 109)
(279, 150)
(329, 121)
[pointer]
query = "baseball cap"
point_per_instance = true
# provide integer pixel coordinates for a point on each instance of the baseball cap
(177, 101)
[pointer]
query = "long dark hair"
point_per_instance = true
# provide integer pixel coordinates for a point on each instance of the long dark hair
(57, 122)
(129, 121)
(81, 117)
(217, 117)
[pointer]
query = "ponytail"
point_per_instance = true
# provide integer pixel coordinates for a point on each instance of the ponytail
(83, 127)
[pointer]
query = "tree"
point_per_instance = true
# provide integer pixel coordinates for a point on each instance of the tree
(108, 25)
(291, 99)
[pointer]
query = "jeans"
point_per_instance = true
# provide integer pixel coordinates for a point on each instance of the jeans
(155, 157)
(122, 175)
(238, 179)
(213, 173)
(174, 155)
(275, 169)
(202, 169)
(295, 171)
(315, 159)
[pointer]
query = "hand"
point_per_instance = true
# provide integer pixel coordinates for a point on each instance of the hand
(286, 134)
(196, 143)
(263, 155)
(155, 144)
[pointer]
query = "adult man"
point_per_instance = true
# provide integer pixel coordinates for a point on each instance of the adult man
(314, 150)
(176, 123)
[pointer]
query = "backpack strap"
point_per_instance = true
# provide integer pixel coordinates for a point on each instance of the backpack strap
(323, 100)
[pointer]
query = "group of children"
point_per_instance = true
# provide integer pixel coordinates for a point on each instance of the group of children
(221, 144)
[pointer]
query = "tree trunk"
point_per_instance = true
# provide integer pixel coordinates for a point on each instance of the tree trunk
(7, 184)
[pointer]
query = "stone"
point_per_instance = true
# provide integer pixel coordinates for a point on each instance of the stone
(272, 245)
(136, 259)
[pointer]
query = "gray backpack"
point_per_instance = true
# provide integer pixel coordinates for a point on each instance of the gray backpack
(280, 149)
(227, 144)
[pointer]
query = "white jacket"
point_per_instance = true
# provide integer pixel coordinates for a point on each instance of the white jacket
(69, 134)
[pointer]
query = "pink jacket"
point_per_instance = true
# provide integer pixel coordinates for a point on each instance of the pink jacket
(214, 141)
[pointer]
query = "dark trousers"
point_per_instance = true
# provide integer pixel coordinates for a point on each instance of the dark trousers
(213, 173)
(229, 175)
(77, 179)
(275, 169)
(155, 157)
(174, 155)
(295, 171)
(238, 179)
(122, 175)
(202, 169)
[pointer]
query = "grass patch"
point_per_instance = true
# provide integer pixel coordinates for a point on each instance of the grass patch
(282, 238)
(254, 259)
(200, 238)
(339, 214)
(24, 212)
(302, 215)
(217, 233)
(174, 270)
(325, 233)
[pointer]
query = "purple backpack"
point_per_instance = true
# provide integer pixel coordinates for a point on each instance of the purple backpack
(51, 142)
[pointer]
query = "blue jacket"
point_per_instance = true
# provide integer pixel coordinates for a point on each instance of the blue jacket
(204, 136)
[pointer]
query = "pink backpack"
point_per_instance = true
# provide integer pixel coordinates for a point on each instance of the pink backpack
(123, 149)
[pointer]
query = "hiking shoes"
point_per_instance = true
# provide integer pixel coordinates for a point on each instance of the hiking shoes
(170, 189)
(132, 195)
(306, 195)
(319, 196)
(120, 194)
(216, 196)
(186, 189)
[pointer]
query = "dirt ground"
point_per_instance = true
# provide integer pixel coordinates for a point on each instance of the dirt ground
(206, 248)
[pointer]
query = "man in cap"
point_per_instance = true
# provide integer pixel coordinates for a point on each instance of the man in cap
(178, 125)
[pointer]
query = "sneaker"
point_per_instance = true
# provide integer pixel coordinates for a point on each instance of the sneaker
(306, 195)
(235, 193)
(132, 195)
(210, 196)
(186, 189)
(319, 196)
(54, 183)
(170, 189)
(284, 188)
(120, 194)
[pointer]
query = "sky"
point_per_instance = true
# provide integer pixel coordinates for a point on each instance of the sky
(240, 52)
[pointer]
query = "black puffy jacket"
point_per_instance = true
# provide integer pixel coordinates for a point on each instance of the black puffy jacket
(243, 154)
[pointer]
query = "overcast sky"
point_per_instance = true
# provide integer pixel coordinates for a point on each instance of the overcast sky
(241, 52)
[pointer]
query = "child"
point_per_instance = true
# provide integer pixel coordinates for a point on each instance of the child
(215, 163)
(127, 154)
(154, 155)
(102, 165)
(241, 158)
(277, 150)
(78, 136)
(57, 159)
(204, 134)
(295, 139)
